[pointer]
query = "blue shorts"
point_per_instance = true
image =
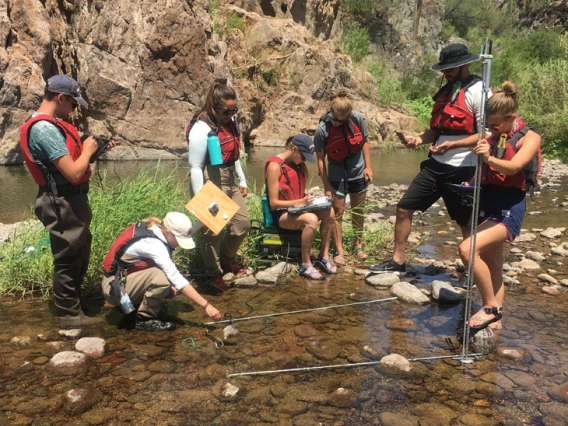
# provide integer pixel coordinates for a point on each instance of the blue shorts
(504, 207)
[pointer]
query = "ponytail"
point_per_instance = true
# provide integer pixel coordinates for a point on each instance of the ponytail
(218, 92)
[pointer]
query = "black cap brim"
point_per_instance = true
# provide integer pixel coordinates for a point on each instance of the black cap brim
(462, 61)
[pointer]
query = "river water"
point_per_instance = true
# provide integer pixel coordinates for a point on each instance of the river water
(19, 190)
(158, 378)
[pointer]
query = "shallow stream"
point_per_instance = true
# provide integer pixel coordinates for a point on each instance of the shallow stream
(152, 378)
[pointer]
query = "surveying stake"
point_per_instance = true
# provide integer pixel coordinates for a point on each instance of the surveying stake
(486, 56)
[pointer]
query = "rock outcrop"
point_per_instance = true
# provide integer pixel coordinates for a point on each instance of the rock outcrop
(146, 67)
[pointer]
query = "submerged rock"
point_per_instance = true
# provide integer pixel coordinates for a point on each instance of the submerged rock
(70, 334)
(511, 353)
(396, 362)
(342, 398)
(266, 277)
(552, 291)
(559, 251)
(547, 279)
(229, 390)
(68, 359)
(559, 393)
(535, 255)
(382, 280)
(525, 238)
(231, 335)
(77, 401)
(552, 232)
(528, 264)
(409, 293)
(93, 347)
(444, 292)
(484, 341)
(21, 341)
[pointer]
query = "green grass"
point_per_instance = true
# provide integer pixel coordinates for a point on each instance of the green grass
(355, 42)
(117, 206)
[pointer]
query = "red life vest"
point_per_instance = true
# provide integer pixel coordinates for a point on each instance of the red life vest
(450, 114)
(229, 140)
(342, 141)
(40, 170)
(505, 148)
(113, 263)
(292, 181)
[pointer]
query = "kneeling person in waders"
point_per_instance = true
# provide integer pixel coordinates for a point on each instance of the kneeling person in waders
(59, 163)
(139, 264)
(285, 176)
(511, 162)
(456, 118)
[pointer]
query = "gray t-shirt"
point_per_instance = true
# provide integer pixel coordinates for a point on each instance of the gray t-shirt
(46, 143)
(353, 167)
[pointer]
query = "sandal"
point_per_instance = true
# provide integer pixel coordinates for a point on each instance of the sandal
(339, 259)
(483, 317)
(326, 266)
(308, 271)
(361, 255)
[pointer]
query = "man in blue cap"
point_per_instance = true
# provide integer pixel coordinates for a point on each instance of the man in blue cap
(453, 132)
(59, 163)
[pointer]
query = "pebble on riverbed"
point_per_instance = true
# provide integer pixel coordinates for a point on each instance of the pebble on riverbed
(93, 347)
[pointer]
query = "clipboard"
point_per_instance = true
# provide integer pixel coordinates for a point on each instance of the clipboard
(202, 206)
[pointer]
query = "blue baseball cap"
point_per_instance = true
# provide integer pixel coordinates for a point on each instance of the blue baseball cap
(65, 85)
(305, 145)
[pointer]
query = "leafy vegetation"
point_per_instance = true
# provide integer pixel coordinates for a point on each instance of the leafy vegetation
(355, 42)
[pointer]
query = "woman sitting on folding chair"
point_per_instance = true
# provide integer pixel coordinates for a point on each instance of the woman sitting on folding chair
(510, 162)
(285, 176)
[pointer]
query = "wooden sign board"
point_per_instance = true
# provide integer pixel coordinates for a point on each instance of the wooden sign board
(200, 207)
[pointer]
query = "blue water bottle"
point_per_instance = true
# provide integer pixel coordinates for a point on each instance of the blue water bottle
(266, 212)
(214, 149)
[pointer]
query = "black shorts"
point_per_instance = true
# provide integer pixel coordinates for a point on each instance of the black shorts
(343, 187)
(433, 182)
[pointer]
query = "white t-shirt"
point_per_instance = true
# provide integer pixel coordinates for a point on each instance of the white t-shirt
(463, 157)
(156, 251)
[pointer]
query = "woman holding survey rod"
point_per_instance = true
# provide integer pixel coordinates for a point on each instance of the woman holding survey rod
(285, 176)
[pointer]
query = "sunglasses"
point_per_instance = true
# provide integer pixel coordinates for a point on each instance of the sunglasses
(73, 101)
(334, 118)
(227, 112)
(448, 70)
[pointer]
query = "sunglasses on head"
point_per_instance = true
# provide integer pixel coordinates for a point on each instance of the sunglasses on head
(227, 112)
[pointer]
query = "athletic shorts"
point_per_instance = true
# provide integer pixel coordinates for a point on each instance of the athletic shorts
(506, 208)
(343, 187)
(434, 181)
(276, 215)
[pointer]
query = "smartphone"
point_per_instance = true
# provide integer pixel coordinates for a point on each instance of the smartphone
(401, 137)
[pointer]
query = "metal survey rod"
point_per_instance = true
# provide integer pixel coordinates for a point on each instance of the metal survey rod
(486, 80)
(329, 367)
(300, 311)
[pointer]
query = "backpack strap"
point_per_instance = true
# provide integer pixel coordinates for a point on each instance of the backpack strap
(140, 231)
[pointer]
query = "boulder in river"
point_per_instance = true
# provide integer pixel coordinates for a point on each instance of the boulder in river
(409, 293)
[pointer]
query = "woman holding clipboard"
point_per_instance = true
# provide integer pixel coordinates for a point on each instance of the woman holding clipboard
(285, 176)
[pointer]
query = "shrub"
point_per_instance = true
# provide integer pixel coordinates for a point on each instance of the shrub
(389, 89)
(421, 108)
(355, 42)
(234, 21)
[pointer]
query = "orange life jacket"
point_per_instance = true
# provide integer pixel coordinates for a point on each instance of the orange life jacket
(505, 148)
(292, 181)
(229, 140)
(450, 114)
(112, 261)
(44, 172)
(342, 141)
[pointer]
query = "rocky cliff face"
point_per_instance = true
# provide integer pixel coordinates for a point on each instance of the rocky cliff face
(146, 66)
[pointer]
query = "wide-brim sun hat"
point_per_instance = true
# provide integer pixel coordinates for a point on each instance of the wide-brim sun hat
(454, 55)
